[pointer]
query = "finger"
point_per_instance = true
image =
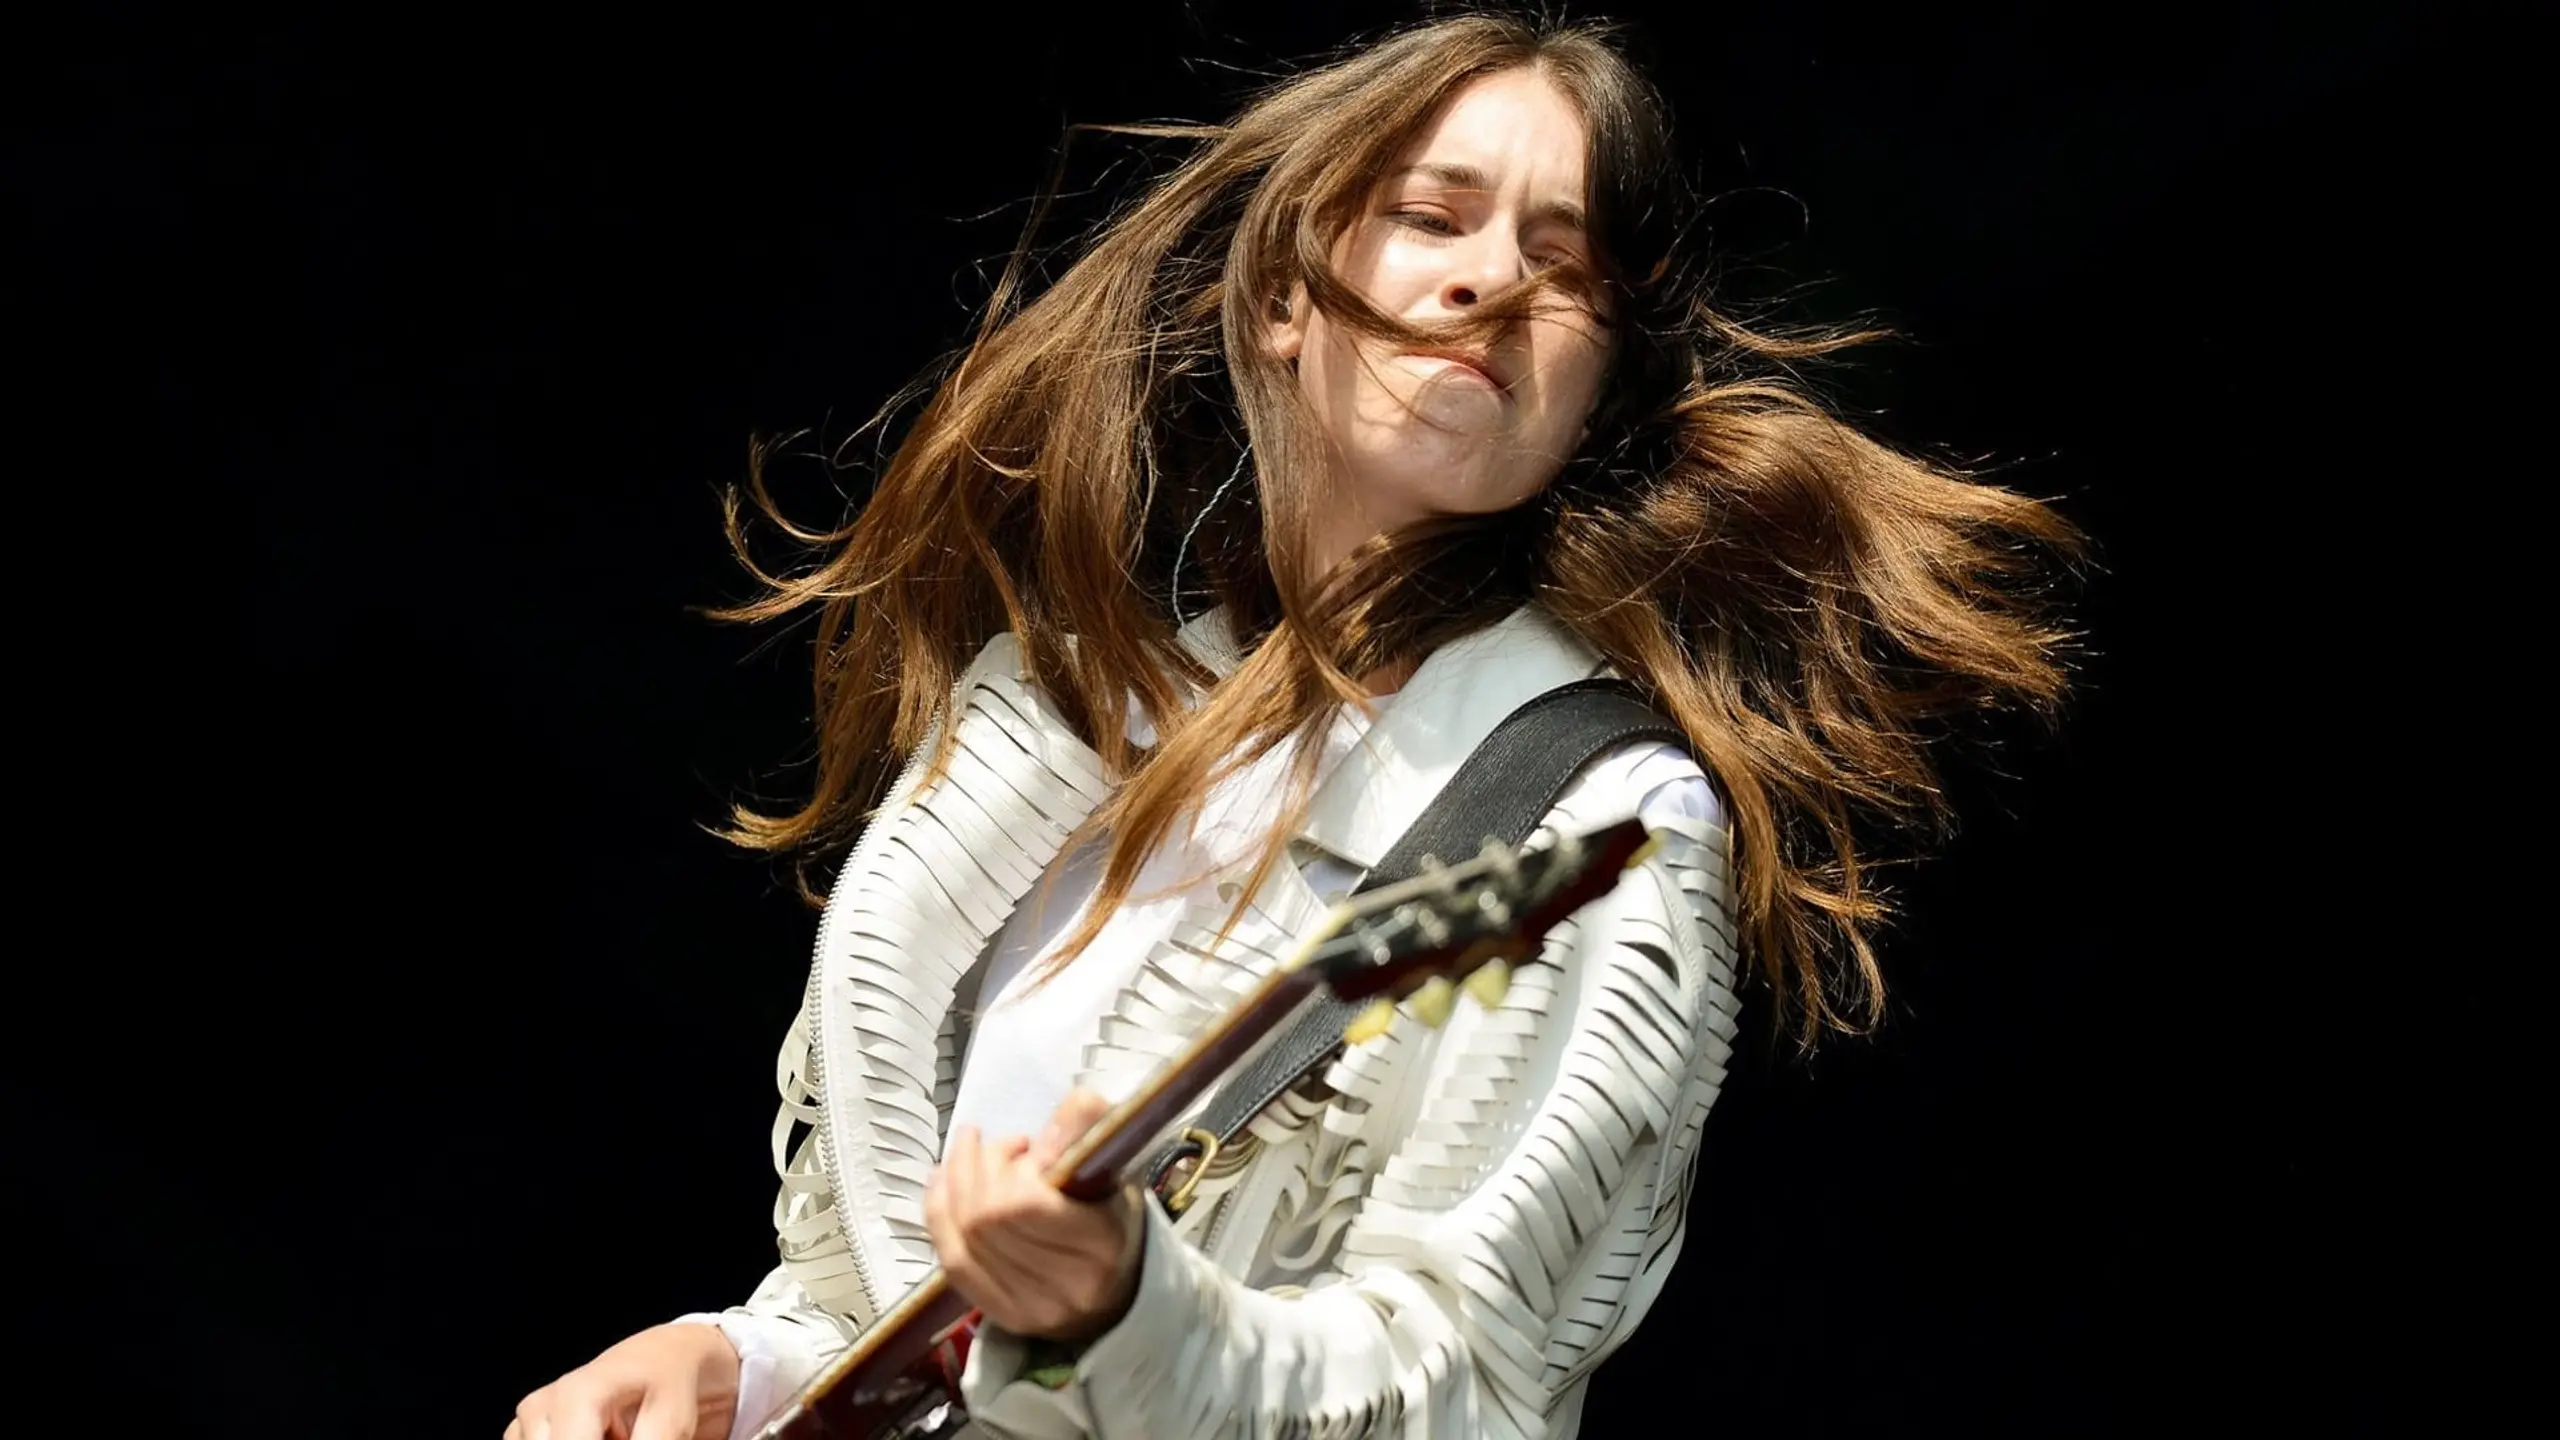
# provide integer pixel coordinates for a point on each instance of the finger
(960, 1152)
(948, 1214)
(1044, 1148)
(1011, 1149)
(962, 1162)
(1080, 1109)
(937, 1204)
(529, 1412)
(667, 1412)
(576, 1415)
(937, 1181)
(958, 1261)
(950, 1182)
(1016, 1189)
(1067, 1124)
(991, 1187)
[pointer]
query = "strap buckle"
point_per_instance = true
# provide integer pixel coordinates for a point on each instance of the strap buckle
(1197, 1146)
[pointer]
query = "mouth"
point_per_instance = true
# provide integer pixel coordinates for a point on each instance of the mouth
(1481, 365)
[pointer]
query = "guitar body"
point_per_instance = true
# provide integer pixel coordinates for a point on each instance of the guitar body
(900, 1381)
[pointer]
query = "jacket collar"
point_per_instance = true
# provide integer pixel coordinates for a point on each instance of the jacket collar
(1427, 729)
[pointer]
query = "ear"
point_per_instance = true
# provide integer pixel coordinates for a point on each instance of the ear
(1286, 333)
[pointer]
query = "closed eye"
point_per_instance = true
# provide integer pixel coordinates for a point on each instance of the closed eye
(1431, 222)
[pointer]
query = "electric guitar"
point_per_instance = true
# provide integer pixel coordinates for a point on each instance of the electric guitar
(1416, 941)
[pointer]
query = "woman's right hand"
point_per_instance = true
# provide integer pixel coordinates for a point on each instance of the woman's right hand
(669, 1382)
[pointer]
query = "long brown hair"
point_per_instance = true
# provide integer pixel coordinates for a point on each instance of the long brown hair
(1803, 600)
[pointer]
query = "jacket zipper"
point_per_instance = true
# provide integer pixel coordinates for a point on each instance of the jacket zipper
(829, 1166)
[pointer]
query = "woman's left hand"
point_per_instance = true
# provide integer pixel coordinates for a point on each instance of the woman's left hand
(1034, 1261)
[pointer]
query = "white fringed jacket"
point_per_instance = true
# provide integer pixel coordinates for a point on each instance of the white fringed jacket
(1442, 1238)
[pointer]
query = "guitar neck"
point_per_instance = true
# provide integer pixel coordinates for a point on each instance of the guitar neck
(1098, 1164)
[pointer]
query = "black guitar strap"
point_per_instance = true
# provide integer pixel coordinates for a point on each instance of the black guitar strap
(1501, 792)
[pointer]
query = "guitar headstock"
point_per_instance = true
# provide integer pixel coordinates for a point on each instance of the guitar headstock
(1465, 923)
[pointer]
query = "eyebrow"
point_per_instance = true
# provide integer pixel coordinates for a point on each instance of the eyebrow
(1468, 177)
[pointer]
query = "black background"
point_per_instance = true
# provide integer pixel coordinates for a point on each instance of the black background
(459, 1067)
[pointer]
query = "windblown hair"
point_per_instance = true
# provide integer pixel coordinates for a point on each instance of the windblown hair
(1805, 602)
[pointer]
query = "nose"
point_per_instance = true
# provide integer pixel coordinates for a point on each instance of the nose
(1482, 270)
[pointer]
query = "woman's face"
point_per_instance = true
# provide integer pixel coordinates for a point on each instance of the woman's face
(1490, 193)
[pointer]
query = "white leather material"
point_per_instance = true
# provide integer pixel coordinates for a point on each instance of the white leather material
(1453, 701)
(1447, 1243)
(913, 908)
(781, 1341)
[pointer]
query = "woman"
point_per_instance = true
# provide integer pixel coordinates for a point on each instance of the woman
(1394, 406)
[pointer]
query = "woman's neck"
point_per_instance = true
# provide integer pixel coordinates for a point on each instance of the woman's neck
(1388, 679)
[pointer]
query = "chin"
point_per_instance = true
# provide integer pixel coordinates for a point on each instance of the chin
(1439, 492)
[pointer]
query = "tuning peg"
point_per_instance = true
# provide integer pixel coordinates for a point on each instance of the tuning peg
(1370, 1023)
(1374, 944)
(1434, 929)
(1438, 871)
(1434, 1000)
(1490, 982)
